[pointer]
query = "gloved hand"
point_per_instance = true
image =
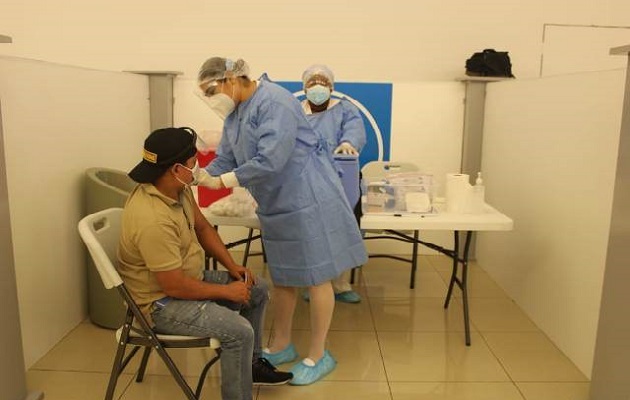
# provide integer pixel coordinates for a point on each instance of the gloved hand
(346, 148)
(207, 180)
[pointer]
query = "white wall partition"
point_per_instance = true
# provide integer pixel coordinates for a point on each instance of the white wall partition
(370, 40)
(549, 159)
(57, 122)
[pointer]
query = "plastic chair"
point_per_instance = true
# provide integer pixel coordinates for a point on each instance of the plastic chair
(100, 232)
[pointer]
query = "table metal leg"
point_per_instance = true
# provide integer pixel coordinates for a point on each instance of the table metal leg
(463, 282)
(247, 245)
(454, 257)
(414, 260)
(464, 285)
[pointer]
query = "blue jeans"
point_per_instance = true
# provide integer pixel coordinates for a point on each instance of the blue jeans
(238, 327)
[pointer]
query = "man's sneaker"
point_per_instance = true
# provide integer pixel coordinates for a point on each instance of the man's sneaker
(265, 374)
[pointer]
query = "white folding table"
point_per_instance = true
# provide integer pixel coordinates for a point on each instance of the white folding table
(249, 221)
(396, 225)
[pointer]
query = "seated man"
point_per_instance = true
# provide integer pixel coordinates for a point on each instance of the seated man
(161, 259)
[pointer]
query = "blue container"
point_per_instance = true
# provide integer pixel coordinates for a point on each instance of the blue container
(348, 166)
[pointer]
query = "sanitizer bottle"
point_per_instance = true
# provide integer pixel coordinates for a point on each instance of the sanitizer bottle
(478, 194)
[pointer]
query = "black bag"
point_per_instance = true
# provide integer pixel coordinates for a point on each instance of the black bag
(489, 63)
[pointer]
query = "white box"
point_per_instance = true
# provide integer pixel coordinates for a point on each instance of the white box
(399, 193)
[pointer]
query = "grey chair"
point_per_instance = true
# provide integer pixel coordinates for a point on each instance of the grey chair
(100, 232)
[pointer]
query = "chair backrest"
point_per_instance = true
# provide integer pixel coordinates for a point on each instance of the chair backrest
(101, 232)
(380, 169)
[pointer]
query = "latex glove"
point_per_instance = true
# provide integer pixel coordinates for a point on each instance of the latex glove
(346, 148)
(207, 180)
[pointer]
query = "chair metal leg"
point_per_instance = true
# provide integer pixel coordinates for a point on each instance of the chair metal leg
(119, 364)
(202, 377)
(168, 361)
(143, 364)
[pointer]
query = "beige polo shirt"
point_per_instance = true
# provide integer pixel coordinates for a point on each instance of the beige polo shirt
(157, 234)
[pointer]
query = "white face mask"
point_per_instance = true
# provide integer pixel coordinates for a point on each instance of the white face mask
(195, 175)
(221, 104)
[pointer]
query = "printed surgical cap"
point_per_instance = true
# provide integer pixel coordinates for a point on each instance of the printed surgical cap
(216, 68)
(320, 70)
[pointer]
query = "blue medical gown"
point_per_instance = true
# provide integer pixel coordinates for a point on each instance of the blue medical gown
(340, 123)
(308, 229)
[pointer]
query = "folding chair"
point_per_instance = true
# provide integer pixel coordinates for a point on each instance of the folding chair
(100, 232)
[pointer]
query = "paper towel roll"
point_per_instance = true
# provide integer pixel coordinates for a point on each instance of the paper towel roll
(458, 192)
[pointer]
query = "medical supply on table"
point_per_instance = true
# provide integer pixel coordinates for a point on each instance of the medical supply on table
(462, 197)
(239, 204)
(477, 200)
(458, 193)
(403, 192)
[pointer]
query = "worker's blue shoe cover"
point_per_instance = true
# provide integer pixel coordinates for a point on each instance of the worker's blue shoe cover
(305, 375)
(345, 297)
(281, 357)
(348, 297)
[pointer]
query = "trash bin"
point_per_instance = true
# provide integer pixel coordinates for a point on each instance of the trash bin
(105, 188)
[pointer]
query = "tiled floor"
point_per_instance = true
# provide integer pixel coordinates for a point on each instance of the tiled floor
(398, 344)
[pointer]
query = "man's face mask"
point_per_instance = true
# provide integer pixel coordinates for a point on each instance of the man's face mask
(194, 171)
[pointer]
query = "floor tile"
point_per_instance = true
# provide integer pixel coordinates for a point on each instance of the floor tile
(328, 390)
(357, 354)
(454, 391)
(155, 387)
(356, 317)
(499, 315)
(190, 362)
(438, 357)
(555, 391)
(72, 354)
(390, 278)
(480, 284)
(76, 385)
(416, 314)
(397, 344)
(532, 357)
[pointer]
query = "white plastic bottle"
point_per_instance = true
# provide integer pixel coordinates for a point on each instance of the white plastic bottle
(479, 193)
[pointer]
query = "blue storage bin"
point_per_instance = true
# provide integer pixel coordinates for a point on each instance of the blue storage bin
(349, 167)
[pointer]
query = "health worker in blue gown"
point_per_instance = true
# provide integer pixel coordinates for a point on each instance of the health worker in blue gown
(308, 228)
(341, 124)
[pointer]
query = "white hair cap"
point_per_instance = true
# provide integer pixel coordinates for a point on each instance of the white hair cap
(216, 68)
(320, 70)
